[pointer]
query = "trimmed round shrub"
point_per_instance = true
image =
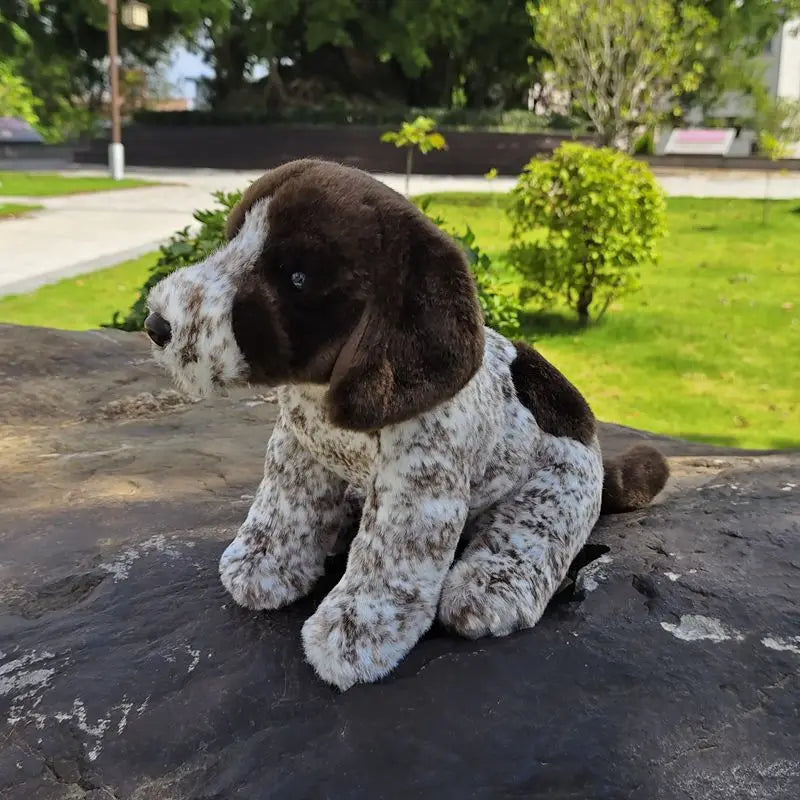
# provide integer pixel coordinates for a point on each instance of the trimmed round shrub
(583, 222)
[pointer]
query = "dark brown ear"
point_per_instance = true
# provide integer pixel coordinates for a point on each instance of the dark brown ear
(421, 337)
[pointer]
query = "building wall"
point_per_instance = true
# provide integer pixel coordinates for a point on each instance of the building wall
(781, 63)
(787, 77)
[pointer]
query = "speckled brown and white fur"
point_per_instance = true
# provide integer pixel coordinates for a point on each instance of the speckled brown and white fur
(478, 467)
(478, 463)
(203, 353)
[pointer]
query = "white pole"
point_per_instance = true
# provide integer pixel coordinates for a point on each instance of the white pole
(116, 152)
(116, 160)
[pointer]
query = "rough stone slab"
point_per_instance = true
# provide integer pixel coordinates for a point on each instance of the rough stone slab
(668, 667)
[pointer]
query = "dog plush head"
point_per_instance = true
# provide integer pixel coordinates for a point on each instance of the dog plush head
(328, 277)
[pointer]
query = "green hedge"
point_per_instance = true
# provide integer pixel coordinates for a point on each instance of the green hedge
(191, 245)
(515, 120)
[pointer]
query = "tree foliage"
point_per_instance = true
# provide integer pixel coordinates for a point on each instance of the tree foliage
(733, 61)
(469, 52)
(747, 25)
(583, 222)
(59, 48)
(473, 54)
(777, 124)
(623, 63)
(442, 53)
(16, 97)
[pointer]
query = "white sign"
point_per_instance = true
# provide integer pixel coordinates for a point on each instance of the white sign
(700, 141)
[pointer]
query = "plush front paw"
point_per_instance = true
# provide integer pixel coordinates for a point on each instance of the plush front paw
(258, 580)
(359, 638)
(475, 603)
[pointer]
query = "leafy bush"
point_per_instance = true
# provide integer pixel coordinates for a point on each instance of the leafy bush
(583, 221)
(186, 247)
(645, 145)
(777, 121)
(190, 245)
(500, 309)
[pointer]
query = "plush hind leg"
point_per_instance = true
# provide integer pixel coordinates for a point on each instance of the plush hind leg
(523, 547)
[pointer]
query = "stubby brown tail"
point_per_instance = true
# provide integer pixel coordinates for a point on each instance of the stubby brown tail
(633, 479)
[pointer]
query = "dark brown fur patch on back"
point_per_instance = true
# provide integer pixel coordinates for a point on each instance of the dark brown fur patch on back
(558, 407)
(633, 479)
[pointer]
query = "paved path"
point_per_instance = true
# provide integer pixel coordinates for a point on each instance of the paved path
(82, 233)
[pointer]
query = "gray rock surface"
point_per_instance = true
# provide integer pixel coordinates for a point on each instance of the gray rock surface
(666, 668)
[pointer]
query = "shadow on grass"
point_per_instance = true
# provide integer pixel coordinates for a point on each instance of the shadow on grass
(707, 438)
(553, 323)
(734, 442)
(466, 199)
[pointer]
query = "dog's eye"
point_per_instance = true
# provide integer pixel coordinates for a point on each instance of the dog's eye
(298, 279)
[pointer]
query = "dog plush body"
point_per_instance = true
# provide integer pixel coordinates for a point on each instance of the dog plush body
(364, 314)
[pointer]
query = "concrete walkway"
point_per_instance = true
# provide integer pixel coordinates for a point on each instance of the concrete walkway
(82, 233)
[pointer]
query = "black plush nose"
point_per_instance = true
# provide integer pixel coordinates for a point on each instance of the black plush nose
(158, 329)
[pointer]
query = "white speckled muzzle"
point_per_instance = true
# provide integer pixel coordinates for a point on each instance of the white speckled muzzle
(190, 320)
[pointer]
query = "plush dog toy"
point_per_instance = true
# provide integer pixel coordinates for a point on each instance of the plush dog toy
(364, 314)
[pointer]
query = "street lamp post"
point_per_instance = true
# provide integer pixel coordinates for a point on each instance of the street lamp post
(116, 150)
(134, 15)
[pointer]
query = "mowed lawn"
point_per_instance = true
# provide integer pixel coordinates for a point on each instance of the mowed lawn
(42, 184)
(707, 350)
(10, 210)
(81, 303)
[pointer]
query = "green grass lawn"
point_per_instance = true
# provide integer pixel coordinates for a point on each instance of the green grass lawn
(40, 184)
(80, 303)
(16, 210)
(708, 349)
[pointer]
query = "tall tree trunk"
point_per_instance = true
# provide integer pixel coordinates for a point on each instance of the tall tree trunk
(229, 65)
(229, 58)
(584, 302)
(275, 88)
